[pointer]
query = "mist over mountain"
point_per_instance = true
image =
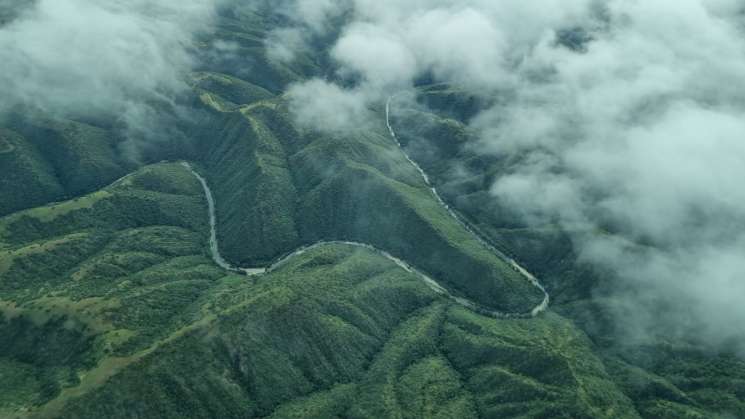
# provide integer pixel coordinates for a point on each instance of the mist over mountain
(626, 118)
(372, 208)
(123, 61)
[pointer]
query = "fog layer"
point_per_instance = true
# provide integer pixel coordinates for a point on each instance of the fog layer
(628, 117)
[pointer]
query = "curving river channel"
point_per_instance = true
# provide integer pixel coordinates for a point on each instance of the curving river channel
(433, 284)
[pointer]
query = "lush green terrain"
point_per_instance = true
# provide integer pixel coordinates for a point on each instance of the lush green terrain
(105, 275)
(359, 338)
(665, 376)
(110, 305)
(278, 188)
(45, 160)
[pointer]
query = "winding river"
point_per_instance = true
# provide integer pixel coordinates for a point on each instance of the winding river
(429, 281)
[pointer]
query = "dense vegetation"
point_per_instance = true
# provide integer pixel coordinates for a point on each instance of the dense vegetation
(278, 187)
(360, 337)
(44, 160)
(102, 275)
(110, 304)
(111, 307)
(666, 376)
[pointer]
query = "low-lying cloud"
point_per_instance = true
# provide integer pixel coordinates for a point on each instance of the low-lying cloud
(627, 117)
(117, 58)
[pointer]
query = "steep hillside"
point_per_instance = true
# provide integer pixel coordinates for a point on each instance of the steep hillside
(666, 376)
(88, 282)
(279, 187)
(28, 178)
(44, 160)
(360, 337)
(110, 303)
(236, 46)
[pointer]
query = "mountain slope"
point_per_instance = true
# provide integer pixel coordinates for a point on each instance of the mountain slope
(666, 375)
(360, 337)
(104, 275)
(279, 187)
(49, 160)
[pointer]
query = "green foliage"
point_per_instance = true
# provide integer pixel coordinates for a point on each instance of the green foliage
(344, 332)
(277, 188)
(246, 30)
(670, 381)
(111, 307)
(44, 160)
(546, 369)
(27, 179)
(233, 91)
(664, 376)
(38, 359)
(104, 275)
(254, 192)
(83, 156)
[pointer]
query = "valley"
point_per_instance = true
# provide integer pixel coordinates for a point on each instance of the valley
(243, 219)
(250, 271)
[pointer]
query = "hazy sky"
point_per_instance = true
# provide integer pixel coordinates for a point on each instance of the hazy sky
(640, 126)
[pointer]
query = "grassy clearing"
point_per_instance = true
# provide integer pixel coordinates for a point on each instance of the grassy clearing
(51, 212)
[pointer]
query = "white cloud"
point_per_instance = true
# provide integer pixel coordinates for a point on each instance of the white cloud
(85, 54)
(321, 104)
(379, 56)
(104, 57)
(640, 129)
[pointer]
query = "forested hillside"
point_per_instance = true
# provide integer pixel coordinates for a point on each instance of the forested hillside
(113, 303)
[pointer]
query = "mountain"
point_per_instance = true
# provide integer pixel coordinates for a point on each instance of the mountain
(104, 318)
(369, 272)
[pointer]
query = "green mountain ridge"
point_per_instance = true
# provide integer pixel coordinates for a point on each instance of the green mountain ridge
(111, 305)
(301, 188)
(120, 335)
